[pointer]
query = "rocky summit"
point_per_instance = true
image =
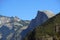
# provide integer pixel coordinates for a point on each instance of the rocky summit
(49, 30)
(9, 26)
(41, 17)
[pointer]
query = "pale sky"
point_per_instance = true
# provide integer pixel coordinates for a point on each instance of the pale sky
(27, 9)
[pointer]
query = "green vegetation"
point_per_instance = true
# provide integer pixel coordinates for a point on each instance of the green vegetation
(50, 29)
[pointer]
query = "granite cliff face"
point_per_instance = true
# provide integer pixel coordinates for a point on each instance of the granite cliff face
(41, 17)
(9, 26)
(49, 30)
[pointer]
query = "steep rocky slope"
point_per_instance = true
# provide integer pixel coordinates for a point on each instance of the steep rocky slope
(41, 17)
(49, 30)
(9, 26)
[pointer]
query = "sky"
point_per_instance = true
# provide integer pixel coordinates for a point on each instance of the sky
(27, 9)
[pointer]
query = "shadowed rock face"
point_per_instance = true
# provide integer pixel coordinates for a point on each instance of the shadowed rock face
(49, 30)
(41, 17)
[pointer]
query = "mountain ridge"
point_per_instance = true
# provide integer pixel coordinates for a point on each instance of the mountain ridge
(11, 25)
(47, 31)
(20, 27)
(39, 19)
